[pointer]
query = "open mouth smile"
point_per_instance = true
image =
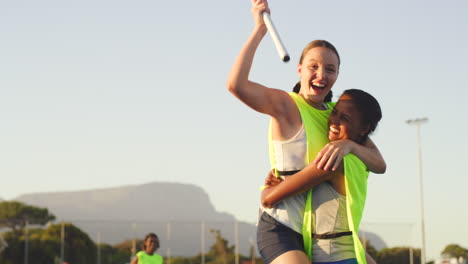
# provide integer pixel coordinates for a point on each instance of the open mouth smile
(318, 86)
(334, 130)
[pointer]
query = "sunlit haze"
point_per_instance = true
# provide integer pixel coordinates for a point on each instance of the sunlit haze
(97, 94)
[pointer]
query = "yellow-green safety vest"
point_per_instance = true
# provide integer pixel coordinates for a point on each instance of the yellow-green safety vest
(316, 128)
(144, 258)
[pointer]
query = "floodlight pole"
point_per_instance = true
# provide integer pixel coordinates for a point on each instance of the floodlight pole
(418, 122)
(62, 242)
(26, 243)
(202, 242)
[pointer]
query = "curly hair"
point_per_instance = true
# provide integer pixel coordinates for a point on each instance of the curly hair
(151, 235)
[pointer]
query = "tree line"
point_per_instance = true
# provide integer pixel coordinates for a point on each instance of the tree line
(44, 244)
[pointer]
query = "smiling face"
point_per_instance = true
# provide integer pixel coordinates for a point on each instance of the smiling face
(346, 122)
(151, 244)
(318, 72)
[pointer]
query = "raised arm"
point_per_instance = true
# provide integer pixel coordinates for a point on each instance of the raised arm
(258, 97)
(297, 183)
(332, 154)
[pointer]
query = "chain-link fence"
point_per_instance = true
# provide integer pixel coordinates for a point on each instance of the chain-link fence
(118, 241)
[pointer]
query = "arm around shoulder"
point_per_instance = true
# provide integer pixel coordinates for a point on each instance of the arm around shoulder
(331, 156)
(371, 156)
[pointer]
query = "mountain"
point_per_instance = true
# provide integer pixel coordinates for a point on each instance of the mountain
(157, 201)
(176, 212)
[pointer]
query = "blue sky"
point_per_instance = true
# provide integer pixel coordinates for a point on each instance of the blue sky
(98, 94)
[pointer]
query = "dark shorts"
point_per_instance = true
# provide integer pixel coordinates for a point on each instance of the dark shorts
(274, 238)
(346, 261)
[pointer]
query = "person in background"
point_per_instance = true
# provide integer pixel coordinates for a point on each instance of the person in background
(148, 255)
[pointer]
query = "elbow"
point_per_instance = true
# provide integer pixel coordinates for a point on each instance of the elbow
(266, 202)
(381, 170)
(232, 86)
(384, 169)
(236, 86)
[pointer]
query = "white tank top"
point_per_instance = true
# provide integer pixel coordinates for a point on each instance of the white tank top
(290, 155)
(330, 217)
